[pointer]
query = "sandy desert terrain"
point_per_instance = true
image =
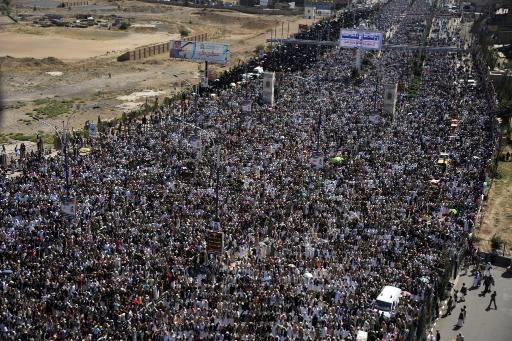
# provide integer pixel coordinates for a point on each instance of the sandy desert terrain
(76, 75)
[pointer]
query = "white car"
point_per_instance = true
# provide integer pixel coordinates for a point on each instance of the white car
(388, 300)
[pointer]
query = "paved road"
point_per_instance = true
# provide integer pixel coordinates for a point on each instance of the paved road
(482, 324)
(54, 3)
(38, 3)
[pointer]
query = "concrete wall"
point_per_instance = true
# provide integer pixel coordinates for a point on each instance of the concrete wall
(144, 52)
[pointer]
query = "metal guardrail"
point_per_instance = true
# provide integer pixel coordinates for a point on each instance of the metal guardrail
(384, 47)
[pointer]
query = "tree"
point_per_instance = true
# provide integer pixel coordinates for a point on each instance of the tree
(496, 242)
(124, 25)
(184, 32)
(6, 6)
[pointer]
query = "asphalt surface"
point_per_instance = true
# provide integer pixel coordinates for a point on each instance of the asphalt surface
(38, 3)
(481, 324)
(45, 4)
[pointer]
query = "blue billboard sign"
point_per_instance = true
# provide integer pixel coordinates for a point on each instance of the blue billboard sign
(360, 39)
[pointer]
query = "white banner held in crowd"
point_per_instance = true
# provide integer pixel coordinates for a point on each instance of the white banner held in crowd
(204, 82)
(92, 129)
(269, 79)
(68, 207)
(317, 161)
(360, 39)
(246, 106)
(390, 90)
(216, 53)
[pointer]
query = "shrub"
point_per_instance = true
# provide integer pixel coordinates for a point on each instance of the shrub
(41, 101)
(476, 239)
(54, 108)
(496, 242)
(4, 139)
(124, 25)
(22, 137)
(184, 32)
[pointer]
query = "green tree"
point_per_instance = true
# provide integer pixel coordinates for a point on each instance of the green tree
(5, 6)
(496, 242)
(124, 25)
(184, 32)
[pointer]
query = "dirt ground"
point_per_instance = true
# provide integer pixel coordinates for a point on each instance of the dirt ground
(83, 58)
(15, 44)
(497, 217)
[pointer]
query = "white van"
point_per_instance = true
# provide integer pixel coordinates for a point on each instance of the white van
(388, 300)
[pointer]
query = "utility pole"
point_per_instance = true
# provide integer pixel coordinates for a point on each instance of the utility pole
(206, 69)
(217, 180)
(66, 160)
(378, 76)
(319, 96)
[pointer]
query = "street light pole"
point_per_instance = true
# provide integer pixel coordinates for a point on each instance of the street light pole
(68, 203)
(217, 180)
(63, 138)
(188, 83)
(319, 95)
(378, 76)
(217, 161)
(66, 160)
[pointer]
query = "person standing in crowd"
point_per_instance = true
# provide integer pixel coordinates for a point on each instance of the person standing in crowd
(463, 292)
(460, 321)
(449, 305)
(492, 301)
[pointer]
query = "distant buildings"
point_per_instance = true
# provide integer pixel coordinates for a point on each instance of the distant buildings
(313, 10)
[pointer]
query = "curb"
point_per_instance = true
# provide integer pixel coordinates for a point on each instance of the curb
(443, 304)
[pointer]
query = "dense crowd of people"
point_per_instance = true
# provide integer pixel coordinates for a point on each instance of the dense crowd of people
(306, 250)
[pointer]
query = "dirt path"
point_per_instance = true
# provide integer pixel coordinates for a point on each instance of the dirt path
(498, 209)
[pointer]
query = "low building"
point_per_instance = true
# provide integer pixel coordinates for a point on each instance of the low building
(318, 9)
(309, 11)
(248, 3)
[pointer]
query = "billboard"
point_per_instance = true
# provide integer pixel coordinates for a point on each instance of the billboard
(361, 39)
(323, 13)
(200, 51)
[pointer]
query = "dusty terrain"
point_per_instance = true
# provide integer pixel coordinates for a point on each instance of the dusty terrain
(498, 208)
(83, 43)
(82, 58)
